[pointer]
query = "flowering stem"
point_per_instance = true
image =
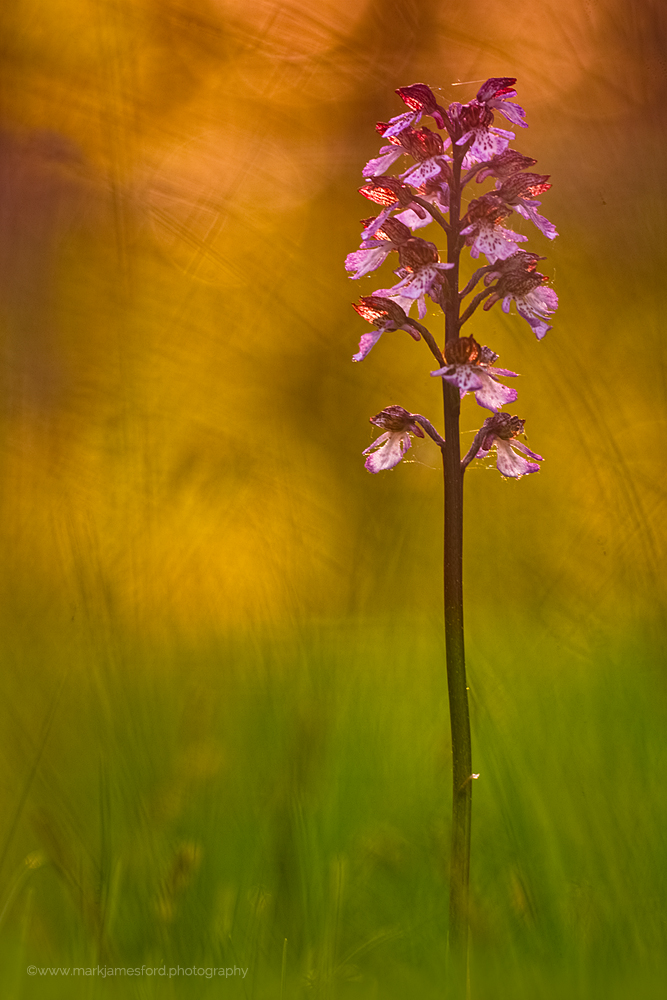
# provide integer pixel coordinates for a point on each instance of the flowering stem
(453, 579)
(465, 366)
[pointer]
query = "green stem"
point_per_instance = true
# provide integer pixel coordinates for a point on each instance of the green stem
(453, 578)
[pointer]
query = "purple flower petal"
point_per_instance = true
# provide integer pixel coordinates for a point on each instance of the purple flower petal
(379, 220)
(463, 376)
(413, 221)
(381, 163)
(536, 306)
(365, 261)
(510, 464)
(393, 446)
(502, 371)
(527, 210)
(495, 242)
(526, 450)
(513, 112)
(422, 172)
(494, 395)
(400, 122)
(487, 142)
(367, 343)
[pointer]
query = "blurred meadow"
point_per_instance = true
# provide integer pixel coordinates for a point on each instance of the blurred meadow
(224, 710)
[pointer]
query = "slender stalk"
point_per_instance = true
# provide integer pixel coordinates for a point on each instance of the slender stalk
(434, 213)
(473, 281)
(473, 305)
(283, 970)
(474, 448)
(429, 428)
(429, 340)
(454, 644)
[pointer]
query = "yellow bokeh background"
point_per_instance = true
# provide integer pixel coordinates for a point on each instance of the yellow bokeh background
(181, 423)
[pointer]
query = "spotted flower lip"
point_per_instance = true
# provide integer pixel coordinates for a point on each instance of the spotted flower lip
(501, 431)
(469, 367)
(415, 285)
(536, 306)
(389, 448)
(420, 275)
(476, 122)
(484, 234)
(422, 172)
(386, 315)
(518, 281)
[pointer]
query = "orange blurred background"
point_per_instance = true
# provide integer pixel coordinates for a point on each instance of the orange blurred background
(181, 423)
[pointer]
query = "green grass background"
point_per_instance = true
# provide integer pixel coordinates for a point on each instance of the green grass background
(223, 702)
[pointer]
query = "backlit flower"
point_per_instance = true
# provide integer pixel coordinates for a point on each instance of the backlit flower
(389, 192)
(436, 192)
(519, 191)
(484, 234)
(500, 431)
(427, 148)
(386, 315)
(392, 194)
(475, 121)
(495, 93)
(423, 145)
(504, 165)
(374, 251)
(469, 368)
(421, 101)
(378, 164)
(420, 274)
(388, 450)
(519, 281)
